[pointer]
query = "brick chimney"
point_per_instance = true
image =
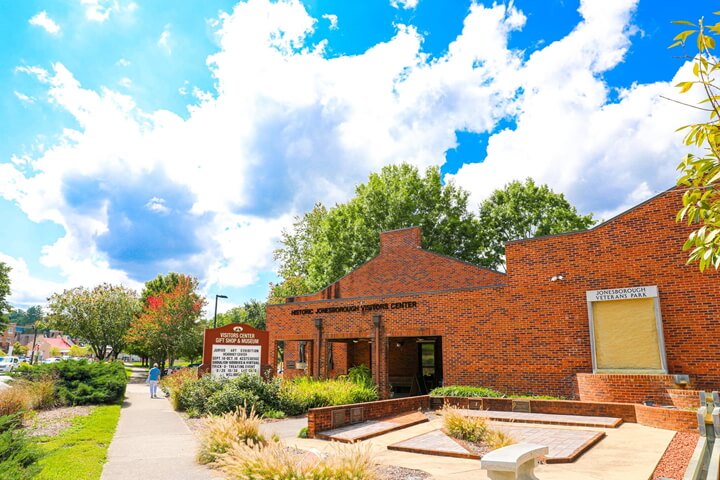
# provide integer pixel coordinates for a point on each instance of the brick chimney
(405, 238)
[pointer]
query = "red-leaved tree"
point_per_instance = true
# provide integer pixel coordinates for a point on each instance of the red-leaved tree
(169, 326)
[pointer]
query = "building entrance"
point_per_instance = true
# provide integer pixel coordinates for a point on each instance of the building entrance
(414, 365)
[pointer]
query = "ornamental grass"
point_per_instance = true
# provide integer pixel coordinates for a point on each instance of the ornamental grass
(275, 461)
(473, 429)
(220, 433)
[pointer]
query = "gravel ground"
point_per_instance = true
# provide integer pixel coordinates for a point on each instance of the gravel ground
(51, 422)
(677, 456)
(391, 472)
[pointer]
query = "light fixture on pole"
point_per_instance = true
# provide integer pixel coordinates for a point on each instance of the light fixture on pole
(215, 317)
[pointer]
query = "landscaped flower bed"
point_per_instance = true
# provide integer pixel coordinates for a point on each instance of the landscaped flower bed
(270, 398)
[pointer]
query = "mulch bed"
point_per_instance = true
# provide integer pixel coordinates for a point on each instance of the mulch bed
(52, 422)
(677, 456)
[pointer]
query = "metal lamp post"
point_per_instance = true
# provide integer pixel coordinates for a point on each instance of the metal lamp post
(215, 317)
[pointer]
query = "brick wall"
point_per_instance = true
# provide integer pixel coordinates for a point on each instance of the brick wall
(627, 388)
(626, 411)
(684, 398)
(669, 419)
(320, 419)
(402, 266)
(527, 334)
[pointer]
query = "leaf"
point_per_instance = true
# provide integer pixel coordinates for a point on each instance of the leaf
(683, 22)
(684, 86)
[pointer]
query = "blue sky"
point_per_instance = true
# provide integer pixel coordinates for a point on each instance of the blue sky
(144, 137)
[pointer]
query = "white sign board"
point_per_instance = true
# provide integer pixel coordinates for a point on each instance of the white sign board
(233, 360)
(628, 293)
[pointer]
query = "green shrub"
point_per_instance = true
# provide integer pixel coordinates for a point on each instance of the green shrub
(81, 383)
(173, 383)
(301, 394)
(362, 375)
(229, 397)
(18, 456)
(194, 394)
(274, 414)
(465, 391)
(303, 433)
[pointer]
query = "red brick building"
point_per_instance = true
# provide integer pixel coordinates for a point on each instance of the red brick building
(611, 313)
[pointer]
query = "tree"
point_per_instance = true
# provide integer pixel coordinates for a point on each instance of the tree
(700, 174)
(19, 349)
(78, 351)
(326, 244)
(101, 316)
(26, 317)
(251, 312)
(160, 284)
(524, 210)
(169, 326)
(5, 307)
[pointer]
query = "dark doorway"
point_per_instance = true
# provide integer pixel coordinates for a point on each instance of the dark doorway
(414, 365)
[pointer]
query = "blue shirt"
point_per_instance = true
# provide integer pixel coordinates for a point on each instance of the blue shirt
(154, 374)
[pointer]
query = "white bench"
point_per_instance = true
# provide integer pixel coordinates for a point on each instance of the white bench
(516, 462)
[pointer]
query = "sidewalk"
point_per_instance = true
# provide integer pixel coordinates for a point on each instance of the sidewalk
(152, 442)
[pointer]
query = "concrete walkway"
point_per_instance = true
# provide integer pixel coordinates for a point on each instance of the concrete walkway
(152, 442)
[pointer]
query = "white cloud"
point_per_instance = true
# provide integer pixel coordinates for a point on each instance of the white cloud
(333, 19)
(605, 156)
(406, 4)
(26, 290)
(43, 20)
(157, 205)
(125, 82)
(123, 62)
(164, 40)
(285, 127)
(23, 98)
(100, 10)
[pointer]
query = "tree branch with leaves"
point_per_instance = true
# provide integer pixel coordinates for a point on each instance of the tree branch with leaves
(700, 174)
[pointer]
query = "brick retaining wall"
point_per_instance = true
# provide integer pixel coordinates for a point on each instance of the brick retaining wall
(598, 387)
(320, 419)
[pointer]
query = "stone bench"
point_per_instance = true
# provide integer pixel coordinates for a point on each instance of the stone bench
(516, 462)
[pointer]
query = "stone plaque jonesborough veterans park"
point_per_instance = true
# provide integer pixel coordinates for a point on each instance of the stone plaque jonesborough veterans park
(234, 349)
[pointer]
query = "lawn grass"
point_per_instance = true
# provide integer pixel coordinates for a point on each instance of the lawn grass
(80, 452)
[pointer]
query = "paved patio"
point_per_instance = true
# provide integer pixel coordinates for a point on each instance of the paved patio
(373, 428)
(629, 452)
(565, 445)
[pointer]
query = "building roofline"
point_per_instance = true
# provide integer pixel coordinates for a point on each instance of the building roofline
(599, 225)
(448, 257)
(403, 294)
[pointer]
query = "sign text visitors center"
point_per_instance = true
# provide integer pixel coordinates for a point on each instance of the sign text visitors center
(355, 308)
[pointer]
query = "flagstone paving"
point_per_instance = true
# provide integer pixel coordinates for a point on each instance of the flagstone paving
(373, 428)
(565, 445)
(545, 418)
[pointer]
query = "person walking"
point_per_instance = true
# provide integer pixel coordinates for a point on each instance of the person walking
(152, 380)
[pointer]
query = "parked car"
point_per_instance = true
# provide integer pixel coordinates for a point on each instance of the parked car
(9, 363)
(52, 360)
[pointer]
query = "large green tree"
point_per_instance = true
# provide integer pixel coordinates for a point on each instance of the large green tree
(524, 210)
(26, 317)
(101, 316)
(700, 174)
(251, 312)
(5, 307)
(326, 244)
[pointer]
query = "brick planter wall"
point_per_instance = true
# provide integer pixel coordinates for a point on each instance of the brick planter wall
(627, 388)
(667, 418)
(684, 398)
(626, 411)
(320, 419)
